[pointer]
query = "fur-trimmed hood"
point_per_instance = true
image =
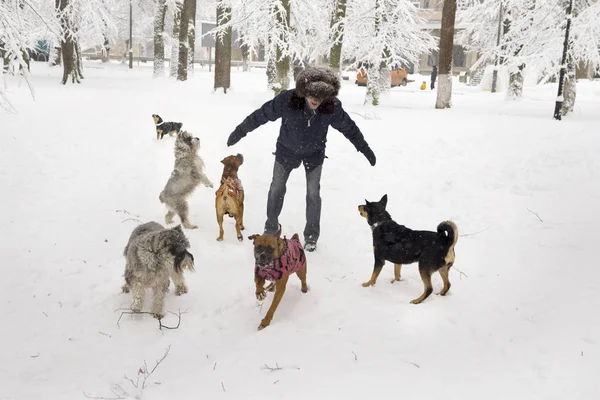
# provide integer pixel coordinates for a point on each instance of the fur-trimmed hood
(320, 83)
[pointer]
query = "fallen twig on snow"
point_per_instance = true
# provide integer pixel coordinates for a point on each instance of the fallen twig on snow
(119, 397)
(355, 356)
(410, 362)
(131, 219)
(160, 325)
(143, 371)
(536, 214)
(223, 386)
(473, 234)
(271, 369)
(461, 273)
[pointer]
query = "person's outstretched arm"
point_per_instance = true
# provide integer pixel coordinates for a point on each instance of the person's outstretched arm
(269, 111)
(343, 123)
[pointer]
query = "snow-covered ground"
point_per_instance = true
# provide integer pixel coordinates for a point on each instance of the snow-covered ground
(81, 164)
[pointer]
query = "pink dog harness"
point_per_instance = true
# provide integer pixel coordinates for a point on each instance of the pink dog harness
(232, 186)
(292, 260)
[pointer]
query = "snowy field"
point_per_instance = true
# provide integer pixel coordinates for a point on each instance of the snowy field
(81, 164)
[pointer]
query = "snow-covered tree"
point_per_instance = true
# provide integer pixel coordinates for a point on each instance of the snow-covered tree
(338, 20)
(386, 33)
(16, 22)
(287, 30)
(533, 35)
(159, 40)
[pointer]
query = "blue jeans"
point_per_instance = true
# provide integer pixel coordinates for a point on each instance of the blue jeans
(313, 201)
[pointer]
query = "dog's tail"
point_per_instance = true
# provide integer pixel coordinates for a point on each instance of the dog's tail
(449, 230)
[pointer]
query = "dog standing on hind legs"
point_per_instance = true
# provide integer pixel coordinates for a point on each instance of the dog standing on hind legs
(230, 195)
(154, 255)
(188, 173)
(434, 251)
(275, 260)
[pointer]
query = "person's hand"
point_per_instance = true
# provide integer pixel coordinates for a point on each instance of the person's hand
(234, 138)
(368, 153)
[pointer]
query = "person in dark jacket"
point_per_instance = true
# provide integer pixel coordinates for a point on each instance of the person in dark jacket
(433, 76)
(306, 113)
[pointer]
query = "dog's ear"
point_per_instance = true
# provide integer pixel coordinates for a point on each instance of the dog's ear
(383, 200)
(252, 237)
(240, 158)
(223, 161)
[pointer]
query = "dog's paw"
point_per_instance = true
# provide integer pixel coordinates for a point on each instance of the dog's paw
(181, 289)
(136, 307)
(125, 288)
(240, 238)
(395, 280)
(220, 239)
(263, 324)
(158, 315)
(416, 301)
(260, 296)
(367, 284)
(190, 226)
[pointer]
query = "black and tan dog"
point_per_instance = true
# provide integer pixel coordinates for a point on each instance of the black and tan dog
(275, 260)
(398, 244)
(230, 195)
(165, 128)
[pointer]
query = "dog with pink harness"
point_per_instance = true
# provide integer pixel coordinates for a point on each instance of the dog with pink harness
(275, 260)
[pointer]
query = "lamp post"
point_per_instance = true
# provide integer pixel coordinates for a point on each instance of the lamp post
(495, 73)
(130, 34)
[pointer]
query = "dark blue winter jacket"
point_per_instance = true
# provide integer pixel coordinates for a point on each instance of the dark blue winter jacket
(303, 132)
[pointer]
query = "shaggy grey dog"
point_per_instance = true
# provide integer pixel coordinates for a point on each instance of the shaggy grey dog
(153, 255)
(187, 174)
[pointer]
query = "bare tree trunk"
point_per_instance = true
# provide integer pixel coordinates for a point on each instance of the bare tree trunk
(67, 43)
(515, 82)
(282, 63)
(563, 70)
(570, 88)
(159, 42)
(78, 59)
(175, 39)
(271, 70)
(223, 50)
(191, 35)
(444, 94)
(106, 50)
(55, 56)
(245, 57)
(182, 66)
(337, 25)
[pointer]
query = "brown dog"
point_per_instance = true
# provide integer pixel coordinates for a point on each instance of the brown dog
(230, 196)
(275, 260)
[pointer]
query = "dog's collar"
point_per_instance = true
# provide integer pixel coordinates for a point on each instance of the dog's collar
(376, 224)
(160, 123)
